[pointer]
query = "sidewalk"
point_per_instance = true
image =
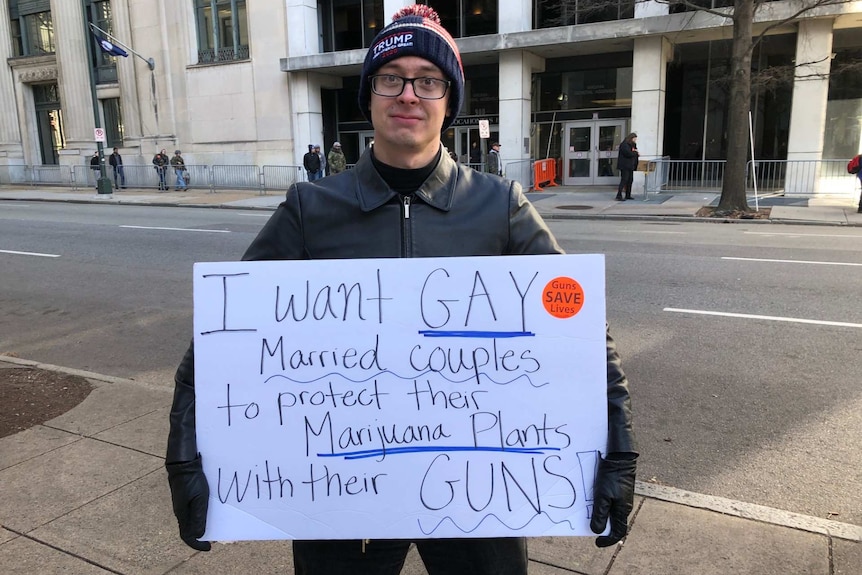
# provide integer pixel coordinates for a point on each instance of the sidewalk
(554, 203)
(86, 493)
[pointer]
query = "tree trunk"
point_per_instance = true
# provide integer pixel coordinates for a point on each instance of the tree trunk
(733, 186)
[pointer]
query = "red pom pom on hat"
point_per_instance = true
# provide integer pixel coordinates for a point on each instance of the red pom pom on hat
(417, 10)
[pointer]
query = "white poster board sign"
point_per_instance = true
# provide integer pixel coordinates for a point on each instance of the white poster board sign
(400, 398)
(484, 128)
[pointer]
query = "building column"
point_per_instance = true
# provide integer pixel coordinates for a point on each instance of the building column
(647, 8)
(516, 17)
(11, 151)
(74, 81)
(808, 111)
(390, 7)
(127, 79)
(649, 74)
(516, 74)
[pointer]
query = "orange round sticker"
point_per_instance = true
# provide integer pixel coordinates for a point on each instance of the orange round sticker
(563, 297)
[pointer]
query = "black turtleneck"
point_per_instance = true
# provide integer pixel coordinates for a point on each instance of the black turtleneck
(403, 181)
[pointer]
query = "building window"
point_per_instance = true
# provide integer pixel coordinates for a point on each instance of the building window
(466, 17)
(552, 13)
(104, 64)
(350, 24)
(114, 129)
(222, 30)
(17, 41)
(32, 27)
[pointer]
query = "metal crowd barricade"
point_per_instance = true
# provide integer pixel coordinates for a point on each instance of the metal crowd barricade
(520, 171)
(544, 172)
(141, 176)
(225, 177)
(50, 175)
(85, 176)
(282, 177)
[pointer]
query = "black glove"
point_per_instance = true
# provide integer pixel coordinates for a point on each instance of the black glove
(613, 496)
(190, 495)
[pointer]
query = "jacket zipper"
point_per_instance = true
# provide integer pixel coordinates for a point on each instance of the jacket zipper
(406, 245)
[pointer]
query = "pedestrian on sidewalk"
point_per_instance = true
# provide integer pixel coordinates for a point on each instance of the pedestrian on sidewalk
(116, 161)
(322, 171)
(336, 159)
(495, 165)
(160, 163)
(179, 166)
(311, 163)
(858, 162)
(454, 211)
(627, 163)
(96, 167)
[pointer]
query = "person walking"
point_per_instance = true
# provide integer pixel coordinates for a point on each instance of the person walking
(311, 163)
(335, 158)
(495, 165)
(407, 198)
(627, 163)
(116, 162)
(160, 162)
(179, 166)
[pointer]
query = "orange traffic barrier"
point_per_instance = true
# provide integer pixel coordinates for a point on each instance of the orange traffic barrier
(544, 171)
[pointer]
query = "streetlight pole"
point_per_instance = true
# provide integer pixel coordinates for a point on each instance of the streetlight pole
(103, 184)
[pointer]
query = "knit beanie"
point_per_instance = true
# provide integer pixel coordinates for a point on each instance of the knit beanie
(415, 31)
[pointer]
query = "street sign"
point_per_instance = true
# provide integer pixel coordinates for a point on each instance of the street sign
(99, 134)
(484, 129)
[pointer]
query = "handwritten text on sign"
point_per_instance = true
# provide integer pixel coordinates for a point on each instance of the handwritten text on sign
(400, 398)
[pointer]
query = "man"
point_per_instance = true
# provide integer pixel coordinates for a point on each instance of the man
(96, 167)
(495, 166)
(627, 163)
(160, 163)
(179, 166)
(311, 163)
(322, 171)
(406, 198)
(116, 161)
(336, 159)
(475, 155)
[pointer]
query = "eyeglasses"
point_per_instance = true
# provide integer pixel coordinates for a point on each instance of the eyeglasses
(392, 86)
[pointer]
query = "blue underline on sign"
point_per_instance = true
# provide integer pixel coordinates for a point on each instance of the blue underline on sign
(434, 448)
(482, 334)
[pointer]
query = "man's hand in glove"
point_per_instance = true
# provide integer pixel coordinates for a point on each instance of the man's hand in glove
(190, 495)
(613, 496)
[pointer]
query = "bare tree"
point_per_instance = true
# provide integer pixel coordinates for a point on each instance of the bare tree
(739, 83)
(742, 14)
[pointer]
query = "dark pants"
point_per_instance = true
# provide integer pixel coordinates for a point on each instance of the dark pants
(119, 177)
(496, 556)
(626, 178)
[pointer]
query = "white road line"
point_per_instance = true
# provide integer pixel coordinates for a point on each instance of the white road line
(765, 317)
(804, 235)
(793, 261)
(29, 254)
(255, 215)
(649, 232)
(751, 511)
(177, 229)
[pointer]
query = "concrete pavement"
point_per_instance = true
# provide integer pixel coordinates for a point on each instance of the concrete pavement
(559, 202)
(86, 492)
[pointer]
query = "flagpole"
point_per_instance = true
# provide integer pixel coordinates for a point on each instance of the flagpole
(150, 62)
(103, 184)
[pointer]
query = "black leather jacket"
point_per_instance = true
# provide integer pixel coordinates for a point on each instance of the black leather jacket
(458, 211)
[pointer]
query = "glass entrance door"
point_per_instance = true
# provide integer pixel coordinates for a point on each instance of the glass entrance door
(470, 148)
(590, 152)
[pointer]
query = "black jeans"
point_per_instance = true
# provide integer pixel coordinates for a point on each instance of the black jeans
(626, 178)
(494, 556)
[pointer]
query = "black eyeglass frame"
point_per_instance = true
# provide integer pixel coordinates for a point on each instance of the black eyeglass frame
(405, 81)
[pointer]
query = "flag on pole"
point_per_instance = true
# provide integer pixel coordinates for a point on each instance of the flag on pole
(109, 48)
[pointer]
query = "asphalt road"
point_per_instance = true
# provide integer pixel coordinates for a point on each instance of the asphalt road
(762, 406)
